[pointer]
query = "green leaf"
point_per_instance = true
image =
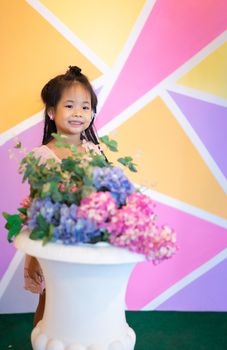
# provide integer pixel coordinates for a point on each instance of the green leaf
(104, 139)
(49, 236)
(53, 186)
(13, 225)
(57, 196)
(132, 167)
(62, 144)
(18, 145)
(68, 164)
(23, 210)
(111, 144)
(99, 161)
(61, 141)
(88, 181)
(58, 137)
(37, 233)
(71, 197)
(14, 219)
(59, 144)
(122, 161)
(6, 215)
(105, 236)
(86, 191)
(78, 173)
(74, 149)
(43, 225)
(29, 170)
(127, 161)
(14, 231)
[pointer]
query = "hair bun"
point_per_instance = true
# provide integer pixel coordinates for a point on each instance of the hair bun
(75, 70)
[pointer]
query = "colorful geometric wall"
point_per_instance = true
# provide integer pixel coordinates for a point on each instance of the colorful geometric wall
(160, 69)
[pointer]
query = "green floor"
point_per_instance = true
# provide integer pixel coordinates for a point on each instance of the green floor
(155, 330)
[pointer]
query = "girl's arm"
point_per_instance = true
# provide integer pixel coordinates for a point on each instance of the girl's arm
(33, 276)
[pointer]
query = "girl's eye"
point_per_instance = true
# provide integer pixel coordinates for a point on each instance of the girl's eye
(86, 108)
(68, 106)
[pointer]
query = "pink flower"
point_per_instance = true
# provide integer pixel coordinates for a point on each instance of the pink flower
(73, 188)
(99, 207)
(23, 216)
(61, 187)
(141, 202)
(133, 227)
(26, 202)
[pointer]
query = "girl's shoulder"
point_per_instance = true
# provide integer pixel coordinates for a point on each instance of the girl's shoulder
(44, 152)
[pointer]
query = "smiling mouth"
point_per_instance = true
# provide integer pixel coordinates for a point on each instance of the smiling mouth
(75, 123)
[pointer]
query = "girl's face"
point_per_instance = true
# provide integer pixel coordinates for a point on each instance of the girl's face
(73, 112)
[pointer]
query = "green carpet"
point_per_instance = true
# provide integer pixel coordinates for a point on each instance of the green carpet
(155, 330)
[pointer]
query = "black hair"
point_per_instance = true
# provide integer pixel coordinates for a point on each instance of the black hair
(51, 94)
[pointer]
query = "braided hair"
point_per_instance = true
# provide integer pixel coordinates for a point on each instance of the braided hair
(51, 94)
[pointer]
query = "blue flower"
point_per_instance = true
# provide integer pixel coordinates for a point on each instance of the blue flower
(113, 180)
(50, 211)
(67, 228)
(85, 230)
(63, 232)
(72, 230)
(45, 207)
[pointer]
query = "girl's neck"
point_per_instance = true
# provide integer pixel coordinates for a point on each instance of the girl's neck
(64, 152)
(73, 140)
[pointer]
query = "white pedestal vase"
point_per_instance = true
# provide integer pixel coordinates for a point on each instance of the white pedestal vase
(85, 296)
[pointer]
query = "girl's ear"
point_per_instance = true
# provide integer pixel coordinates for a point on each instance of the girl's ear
(50, 113)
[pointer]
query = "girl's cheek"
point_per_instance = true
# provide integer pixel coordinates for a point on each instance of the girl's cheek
(88, 122)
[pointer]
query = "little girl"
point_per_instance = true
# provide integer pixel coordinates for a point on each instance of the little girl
(70, 107)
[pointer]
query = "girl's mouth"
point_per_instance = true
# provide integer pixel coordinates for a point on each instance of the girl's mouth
(75, 123)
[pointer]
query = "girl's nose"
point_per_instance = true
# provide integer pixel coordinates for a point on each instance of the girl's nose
(77, 111)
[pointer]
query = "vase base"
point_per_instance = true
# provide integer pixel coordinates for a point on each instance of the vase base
(40, 341)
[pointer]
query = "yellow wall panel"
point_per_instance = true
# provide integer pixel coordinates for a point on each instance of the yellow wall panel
(168, 162)
(32, 52)
(209, 75)
(103, 25)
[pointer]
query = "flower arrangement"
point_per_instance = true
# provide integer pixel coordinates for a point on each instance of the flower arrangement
(86, 199)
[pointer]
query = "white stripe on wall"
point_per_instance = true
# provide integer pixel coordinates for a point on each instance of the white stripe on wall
(68, 35)
(10, 272)
(113, 74)
(186, 280)
(196, 141)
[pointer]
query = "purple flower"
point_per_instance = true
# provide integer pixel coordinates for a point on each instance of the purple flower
(114, 180)
(86, 230)
(45, 207)
(73, 230)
